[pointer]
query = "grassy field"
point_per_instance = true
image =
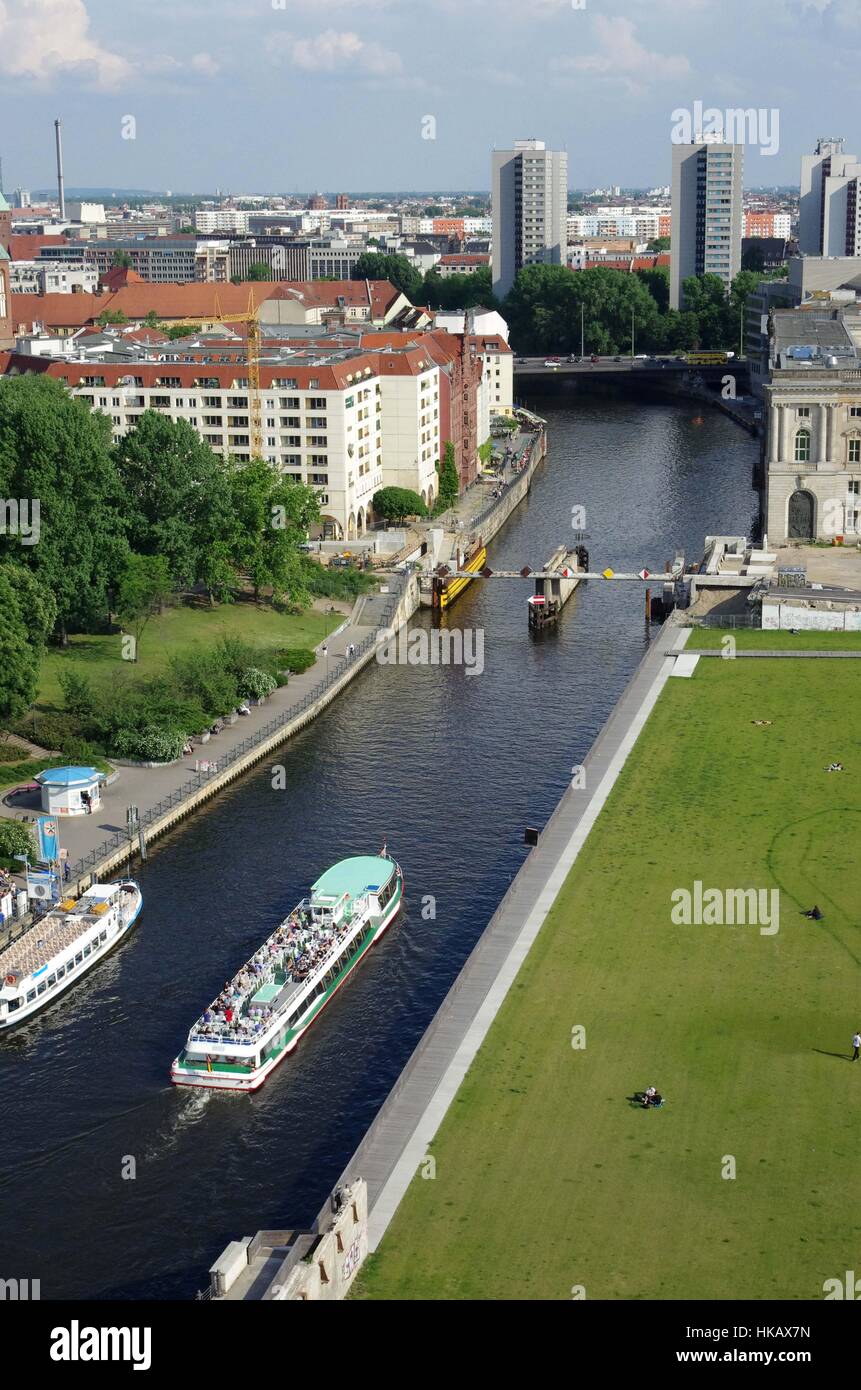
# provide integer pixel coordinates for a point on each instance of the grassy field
(547, 1178)
(180, 628)
(749, 639)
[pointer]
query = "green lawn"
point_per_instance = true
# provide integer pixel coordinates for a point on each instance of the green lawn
(748, 639)
(177, 628)
(546, 1177)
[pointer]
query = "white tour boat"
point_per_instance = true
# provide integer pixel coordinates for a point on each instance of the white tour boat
(263, 1011)
(62, 946)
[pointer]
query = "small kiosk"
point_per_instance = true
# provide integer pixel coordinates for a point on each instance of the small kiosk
(70, 791)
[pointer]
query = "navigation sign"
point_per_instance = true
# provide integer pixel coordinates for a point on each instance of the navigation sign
(608, 573)
(644, 574)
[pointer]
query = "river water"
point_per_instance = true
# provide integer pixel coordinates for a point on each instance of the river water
(115, 1184)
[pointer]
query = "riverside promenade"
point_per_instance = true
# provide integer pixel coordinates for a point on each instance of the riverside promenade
(165, 794)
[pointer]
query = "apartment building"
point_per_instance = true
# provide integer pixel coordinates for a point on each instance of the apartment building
(829, 206)
(767, 224)
(52, 277)
(706, 213)
(461, 264)
(530, 209)
(160, 260)
(343, 421)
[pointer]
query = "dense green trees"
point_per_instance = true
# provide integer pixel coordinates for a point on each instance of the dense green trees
(398, 270)
(449, 481)
(457, 291)
(57, 454)
(547, 305)
(396, 503)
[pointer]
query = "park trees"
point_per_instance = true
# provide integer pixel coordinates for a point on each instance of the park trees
(397, 503)
(56, 454)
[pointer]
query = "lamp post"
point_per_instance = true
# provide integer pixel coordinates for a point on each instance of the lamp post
(632, 335)
(582, 331)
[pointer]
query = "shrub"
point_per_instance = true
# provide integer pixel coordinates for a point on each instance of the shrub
(52, 730)
(254, 684)
(10, 752)
(200, 676)
(150, 744)
(296, 659)
(79, 697)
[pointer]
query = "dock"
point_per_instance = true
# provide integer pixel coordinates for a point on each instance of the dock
(553, 588)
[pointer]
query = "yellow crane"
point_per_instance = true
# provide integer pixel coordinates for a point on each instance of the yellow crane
(252, 360)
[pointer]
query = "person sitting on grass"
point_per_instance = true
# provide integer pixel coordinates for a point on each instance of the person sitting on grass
(652, 1097)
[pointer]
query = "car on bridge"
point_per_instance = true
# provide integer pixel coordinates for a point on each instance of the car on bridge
(553, 362)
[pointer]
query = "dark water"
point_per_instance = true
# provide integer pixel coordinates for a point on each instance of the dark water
(449, 767)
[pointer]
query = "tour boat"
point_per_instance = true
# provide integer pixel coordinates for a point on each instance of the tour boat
(62, 946)
(263, 1011)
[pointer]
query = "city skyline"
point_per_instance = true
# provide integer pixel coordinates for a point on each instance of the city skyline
(260, 66)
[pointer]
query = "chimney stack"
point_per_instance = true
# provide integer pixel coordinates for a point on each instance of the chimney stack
(61, 187)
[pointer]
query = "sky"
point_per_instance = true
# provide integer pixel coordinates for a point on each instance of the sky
(290, 96)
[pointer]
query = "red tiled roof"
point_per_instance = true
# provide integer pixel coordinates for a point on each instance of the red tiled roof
(27, 248)
(195, 300)
(118, 276)
(466, 259)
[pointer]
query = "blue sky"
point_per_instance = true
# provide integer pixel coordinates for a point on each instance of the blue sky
(294, 95)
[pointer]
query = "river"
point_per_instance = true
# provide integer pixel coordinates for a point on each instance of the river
(115, 1184)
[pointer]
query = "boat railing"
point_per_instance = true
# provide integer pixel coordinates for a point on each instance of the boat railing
(88, 862)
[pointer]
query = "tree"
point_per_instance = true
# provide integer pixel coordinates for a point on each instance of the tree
(396, 503)
(449, 479)
(54, 449)
(260, 270)
(178, 496)
(16, 838)
(122, 258)
(111, 316)
(458, 291)
(398, 270)
(152, 319)
(270, 518)
(144, 588)
(19, 660)
(659, 243)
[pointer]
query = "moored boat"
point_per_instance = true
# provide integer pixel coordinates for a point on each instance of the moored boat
(447, 588)
(263, 1011)
(63, 946)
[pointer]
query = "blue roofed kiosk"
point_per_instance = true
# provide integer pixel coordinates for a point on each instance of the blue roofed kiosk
(70, 791)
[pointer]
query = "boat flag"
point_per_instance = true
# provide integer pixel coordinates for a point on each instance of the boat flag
(208, 1062)
(46, 835)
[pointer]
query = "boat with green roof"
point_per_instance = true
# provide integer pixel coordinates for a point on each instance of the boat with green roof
(263, 1011)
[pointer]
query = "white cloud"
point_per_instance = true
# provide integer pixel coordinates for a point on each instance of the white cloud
(43, 38)
(622, 55)
(205, 64)
(339, 51)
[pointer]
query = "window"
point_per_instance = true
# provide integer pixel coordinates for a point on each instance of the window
(855, 488)
(855, 450)
(802, 446)
(855, 410)
(804, 412)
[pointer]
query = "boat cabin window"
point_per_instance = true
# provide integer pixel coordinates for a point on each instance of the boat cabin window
(88, 949)
(52, 980)
(387, 892)
(31, 996)
(61, 970)
(40, 989)
(78, 958)
(15, 1004)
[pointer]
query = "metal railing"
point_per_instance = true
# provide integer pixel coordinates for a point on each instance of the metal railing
(189, 788)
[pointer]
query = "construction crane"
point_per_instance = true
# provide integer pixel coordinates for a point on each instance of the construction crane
(251, 358)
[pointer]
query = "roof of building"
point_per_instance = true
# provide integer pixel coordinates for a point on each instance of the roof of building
(119, 276)
(24, 248)
(465, 258)
(68, 776)
(810, 336)
(137, 298)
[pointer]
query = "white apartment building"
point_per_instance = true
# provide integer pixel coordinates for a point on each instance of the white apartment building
(829, 207)
(707, 213)
(345, 422)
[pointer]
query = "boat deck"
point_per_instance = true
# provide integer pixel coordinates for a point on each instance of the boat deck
(44, 940)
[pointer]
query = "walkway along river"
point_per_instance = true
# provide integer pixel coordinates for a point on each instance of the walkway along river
(115, 1184)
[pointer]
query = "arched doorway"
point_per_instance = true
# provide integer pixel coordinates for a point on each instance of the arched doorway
(351, 528)
(800, 518)
(360, 523)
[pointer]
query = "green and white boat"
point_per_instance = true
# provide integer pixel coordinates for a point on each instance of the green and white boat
(263, 1011)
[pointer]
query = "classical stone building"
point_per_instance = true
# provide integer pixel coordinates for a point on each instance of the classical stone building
(813, 439)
